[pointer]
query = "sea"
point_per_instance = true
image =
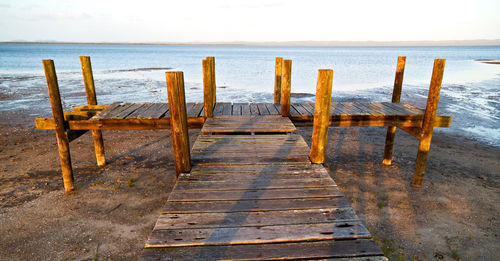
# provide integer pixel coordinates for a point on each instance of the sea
(470, 92)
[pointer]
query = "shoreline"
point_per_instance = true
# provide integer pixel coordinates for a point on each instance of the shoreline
(424, 43)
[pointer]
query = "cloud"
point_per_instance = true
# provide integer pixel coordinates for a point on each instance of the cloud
(4, 6)
(249, 4)
(75, 16)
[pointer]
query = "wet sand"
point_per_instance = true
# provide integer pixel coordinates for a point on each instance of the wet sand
(111, 214)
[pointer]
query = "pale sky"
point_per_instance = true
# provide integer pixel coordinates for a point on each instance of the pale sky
(248, 20)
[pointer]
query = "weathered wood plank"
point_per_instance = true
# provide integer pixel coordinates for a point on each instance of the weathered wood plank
(272, 109)
(254, 184)
(254, 109)
(268, 193)
(248, 124)
(237, 109)
(245, 109)
(227, 109)
(195, 111)
(219, 107)
(263, 109)
(366, 249)
(256, 235)
(138, 113)
(255, 218)
(255, 205)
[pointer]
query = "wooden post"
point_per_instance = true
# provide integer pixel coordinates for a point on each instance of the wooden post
(396, 96)
(277, 79)
(427, 124)
(208, 100)
(321, 116)
(286, 81)
(58, 114)
(178, 121)
(88, 80)
(212, 75)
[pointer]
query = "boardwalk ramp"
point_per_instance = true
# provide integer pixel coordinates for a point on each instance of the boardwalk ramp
(256, 197)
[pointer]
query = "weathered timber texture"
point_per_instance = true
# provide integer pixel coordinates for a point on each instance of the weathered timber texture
(208, 90)
(248, 198)
(321, 116)
(396, 97)
(286, 81)
(178, 120)
(248, 124)
(427, 124)
(88, 79)
(57, 113)
(212, 78)
(277, 79)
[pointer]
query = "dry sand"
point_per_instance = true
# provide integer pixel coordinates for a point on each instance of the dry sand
(111, 214)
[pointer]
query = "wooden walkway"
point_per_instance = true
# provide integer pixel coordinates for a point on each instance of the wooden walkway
(256, 197)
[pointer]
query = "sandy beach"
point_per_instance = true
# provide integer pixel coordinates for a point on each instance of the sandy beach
(111, 214)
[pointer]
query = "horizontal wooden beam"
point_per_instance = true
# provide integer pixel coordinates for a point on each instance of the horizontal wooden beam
(414, 131)
(117, 124)
(90, 108)
(373, 121)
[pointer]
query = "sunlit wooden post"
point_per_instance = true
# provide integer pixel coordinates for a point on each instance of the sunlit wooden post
(58, 114)
(178, 121)
(428, 122)
(212, 78)
(208, 90)
(88, 79)
(321, 116)
(286, 81)
(396, 97)
(277, 79)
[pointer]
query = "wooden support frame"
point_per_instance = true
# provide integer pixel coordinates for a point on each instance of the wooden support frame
(212, 79)
(286, 82)
(396, 97)
(88, 79)
(178, 121)
(321, 116)
(427, 124)
(208, 90)
(57, 113)
(278, 68)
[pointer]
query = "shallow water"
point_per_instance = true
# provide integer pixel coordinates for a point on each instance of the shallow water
(135, 73)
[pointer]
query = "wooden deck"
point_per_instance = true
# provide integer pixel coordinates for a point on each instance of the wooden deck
(135, 116)
(256, 197)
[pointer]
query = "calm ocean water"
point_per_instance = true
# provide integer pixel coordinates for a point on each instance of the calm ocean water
(246, 74)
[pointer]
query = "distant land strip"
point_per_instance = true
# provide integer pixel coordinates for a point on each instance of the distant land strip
(480, 42)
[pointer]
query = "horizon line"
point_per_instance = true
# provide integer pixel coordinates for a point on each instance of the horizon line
(478, 42)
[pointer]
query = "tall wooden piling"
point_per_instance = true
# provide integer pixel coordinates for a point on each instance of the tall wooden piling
(427, 124)
(212, 79)
(58, 114)
(286, 81)
(178, 121)
(208, 94)
(88, 79)
(396, 97)
(321, 116)
(278, 67)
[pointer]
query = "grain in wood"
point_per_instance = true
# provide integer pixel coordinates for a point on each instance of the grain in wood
(321, 116)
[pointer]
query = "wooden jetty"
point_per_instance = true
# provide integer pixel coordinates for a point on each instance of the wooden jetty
(250, 189)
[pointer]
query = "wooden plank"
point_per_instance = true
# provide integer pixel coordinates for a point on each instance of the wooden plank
(245, 109)
(257, 234)
(128, 111)
(310, 108)
(293, 111)
(227, 109)
(255, 218)
(194, 195)
(237, 109)
(218, 108)
(255, 205)
(90, 108)
(254, 110)
(338, 108)
(272, 109)
(263, 109)
(106, 111)
(113, 114)
(138, 113)
(255, 184)
(366, 249)
(298, 107)
(195, 111)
